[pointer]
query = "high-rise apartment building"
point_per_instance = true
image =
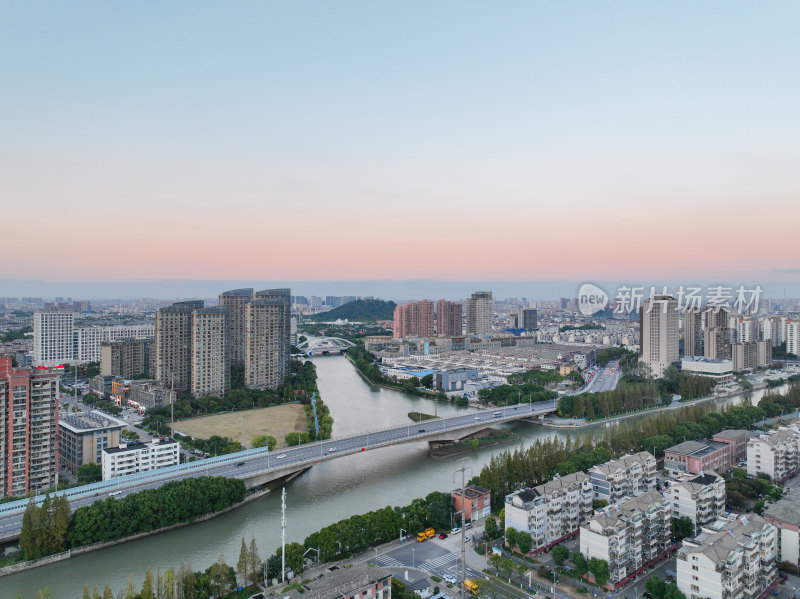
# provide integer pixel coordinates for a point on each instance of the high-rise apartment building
(659, 333)
(479, 313)
(793, 337)
(448, 319)
(746, 329)
(413, 319)
(284, 299)
(28, 429)
(718, 344)
(173, 344)
(236, 301)
(263, 347)
(776, 453)
(53, 337)
(211, 358)
(126, 359)
(692, 332)
(528, 319)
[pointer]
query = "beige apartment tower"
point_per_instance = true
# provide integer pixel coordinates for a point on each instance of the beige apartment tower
(211, 358)
(659, 333)
(283, 297)
(127, 358)
(173, 344)
(264, 348)
(479, 313)
(236, 301)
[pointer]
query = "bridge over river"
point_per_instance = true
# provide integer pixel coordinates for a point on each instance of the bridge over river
(257, 467)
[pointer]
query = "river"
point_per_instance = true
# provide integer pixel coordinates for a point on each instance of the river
(327, 493)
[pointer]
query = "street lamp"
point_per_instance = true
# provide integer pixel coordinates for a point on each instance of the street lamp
(402, 530)
(413, 563)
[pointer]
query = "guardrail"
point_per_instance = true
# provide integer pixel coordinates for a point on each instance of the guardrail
(508, 413)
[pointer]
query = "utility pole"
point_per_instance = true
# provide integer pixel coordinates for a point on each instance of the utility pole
(243, 434)
(283, 534)
(463, 469)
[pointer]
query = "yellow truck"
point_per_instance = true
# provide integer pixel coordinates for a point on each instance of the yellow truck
(425, 535)
(470, 586)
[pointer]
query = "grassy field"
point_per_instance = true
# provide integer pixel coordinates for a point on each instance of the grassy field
(276, 421)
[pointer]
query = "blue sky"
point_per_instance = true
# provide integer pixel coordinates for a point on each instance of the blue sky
(452, 140)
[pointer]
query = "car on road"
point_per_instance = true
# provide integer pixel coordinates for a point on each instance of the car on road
(280, 457)
(240, 463)
(449, 578)
(443, 535)
(477, 418)
(467, 539)
(456, 530)
(331, 449)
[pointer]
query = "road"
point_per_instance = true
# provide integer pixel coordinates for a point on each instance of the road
(255, 462)
(604, 379)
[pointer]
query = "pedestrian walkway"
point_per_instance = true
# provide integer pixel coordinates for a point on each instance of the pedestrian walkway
(430, 565)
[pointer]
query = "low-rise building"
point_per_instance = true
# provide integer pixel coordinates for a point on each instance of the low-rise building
(700, 498)
(474, 500)
(628, 534)
(732, 558)
(776, 453)
(139, 457)
(737, 439)
(83, 437)
(550, 511)
(148, 393)
(720, 370)
(630, 475)
(698, 456)
(358, 580)
(454, 380)
(784, 515)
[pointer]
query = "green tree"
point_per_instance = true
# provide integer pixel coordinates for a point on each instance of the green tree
(682, 527)
(169, 585)
(599, 569)
(253, 562)
(90, 473)
(130, 590)
(524, 542)
(739, 473)
(560, 555)
(511, 537)
(220, 575)
(108, 593)
(242, 566)
(30, 528)
(426, 381)
(264, 441)
(656, 587)
(147, 586)
(490, 527)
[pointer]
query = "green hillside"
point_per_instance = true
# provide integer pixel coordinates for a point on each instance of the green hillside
(363, 309)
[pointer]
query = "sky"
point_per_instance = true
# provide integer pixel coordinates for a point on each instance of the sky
(449, 141)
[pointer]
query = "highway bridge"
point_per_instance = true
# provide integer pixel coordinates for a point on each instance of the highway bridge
(258, 467)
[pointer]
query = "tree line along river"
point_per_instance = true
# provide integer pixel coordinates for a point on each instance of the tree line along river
(329, 492)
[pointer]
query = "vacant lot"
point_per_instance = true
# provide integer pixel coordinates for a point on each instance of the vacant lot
(276, 421)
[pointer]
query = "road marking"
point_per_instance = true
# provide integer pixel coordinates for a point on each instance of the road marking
(386, 560)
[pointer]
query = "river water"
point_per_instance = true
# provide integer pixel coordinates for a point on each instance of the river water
(325, 494)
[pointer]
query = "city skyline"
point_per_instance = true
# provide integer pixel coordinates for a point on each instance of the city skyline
(559, 140)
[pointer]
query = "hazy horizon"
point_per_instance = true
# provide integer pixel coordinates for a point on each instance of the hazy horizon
(394, 289)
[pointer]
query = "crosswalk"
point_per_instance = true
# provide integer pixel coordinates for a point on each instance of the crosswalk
(429, 565)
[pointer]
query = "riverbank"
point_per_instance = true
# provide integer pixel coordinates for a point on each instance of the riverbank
(49, 559)
(572, 423)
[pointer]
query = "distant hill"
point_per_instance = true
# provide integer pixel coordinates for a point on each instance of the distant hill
(363, 309)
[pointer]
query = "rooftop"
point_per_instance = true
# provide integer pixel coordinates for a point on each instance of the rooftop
(608, 517)
(785, 509)
(731, 434)
(340, 583)
(696, 449)
(139, 445)
(724, 536)
(624, 462)
(89, 421)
